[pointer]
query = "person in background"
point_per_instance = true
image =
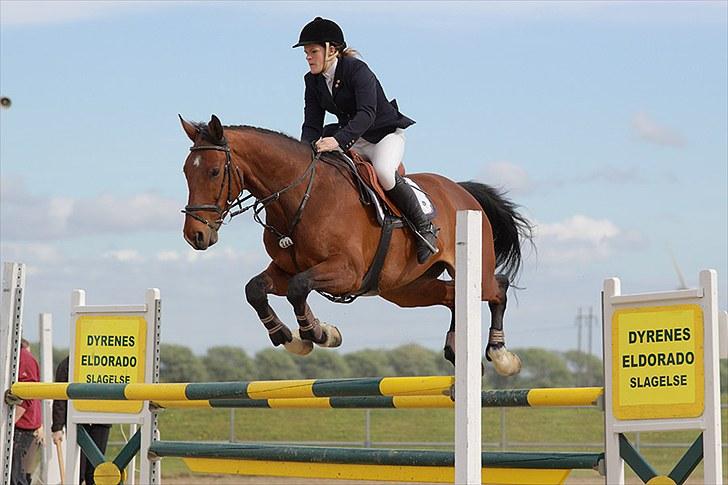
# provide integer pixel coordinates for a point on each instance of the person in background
(28, 431)
(99, 432)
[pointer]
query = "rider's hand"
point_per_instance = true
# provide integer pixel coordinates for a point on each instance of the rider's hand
(327, 144)
(58, 436)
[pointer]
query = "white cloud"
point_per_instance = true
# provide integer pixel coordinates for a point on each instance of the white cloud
(29, 217)
(508, 176)
(124, 256)
(164, 256)
(650, 131)
(108, 213)
(580, 228)
(37, 252)
(582, 239)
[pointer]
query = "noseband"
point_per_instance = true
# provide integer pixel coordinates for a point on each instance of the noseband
(230, 201)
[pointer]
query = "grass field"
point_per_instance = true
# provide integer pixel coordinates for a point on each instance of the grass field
(567, 429)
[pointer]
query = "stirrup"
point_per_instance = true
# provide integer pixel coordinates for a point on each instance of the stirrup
(425, 248)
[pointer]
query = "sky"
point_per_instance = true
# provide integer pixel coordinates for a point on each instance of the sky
(607, 122)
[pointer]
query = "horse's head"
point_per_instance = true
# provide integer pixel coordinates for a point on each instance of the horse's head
(212, 181)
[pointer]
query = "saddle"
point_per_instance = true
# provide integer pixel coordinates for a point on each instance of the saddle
(388, 215)
(365, 169)
(371, 192)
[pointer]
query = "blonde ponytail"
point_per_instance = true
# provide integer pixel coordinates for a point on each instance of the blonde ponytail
(349, 52)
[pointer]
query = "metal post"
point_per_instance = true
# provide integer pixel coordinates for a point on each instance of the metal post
(11, 322)
(503, 437)
(49, 471)
(232, 425)
(368, 428)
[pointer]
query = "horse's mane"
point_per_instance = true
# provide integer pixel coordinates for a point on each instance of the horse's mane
(280, 135)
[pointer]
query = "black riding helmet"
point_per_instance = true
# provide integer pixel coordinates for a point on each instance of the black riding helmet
(320, 31)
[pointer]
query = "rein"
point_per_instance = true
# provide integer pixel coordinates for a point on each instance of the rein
(284, 241)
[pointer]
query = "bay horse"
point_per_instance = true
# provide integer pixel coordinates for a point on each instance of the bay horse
(320, 237)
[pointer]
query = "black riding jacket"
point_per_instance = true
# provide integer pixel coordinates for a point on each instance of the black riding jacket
(358, 101)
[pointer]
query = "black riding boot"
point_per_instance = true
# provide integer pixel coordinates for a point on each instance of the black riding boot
(404, 196)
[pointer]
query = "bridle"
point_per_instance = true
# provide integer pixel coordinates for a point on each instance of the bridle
(230, 202)
(226, 213)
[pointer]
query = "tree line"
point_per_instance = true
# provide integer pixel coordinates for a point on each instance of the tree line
(541, 367)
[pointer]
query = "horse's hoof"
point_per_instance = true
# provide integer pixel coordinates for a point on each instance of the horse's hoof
(506, 363)
(297, 345)
(333, 336)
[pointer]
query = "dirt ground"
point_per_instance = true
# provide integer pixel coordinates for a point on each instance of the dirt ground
(235, 480)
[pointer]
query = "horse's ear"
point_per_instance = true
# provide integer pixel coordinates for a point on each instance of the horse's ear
(215, 129)
(191, 130)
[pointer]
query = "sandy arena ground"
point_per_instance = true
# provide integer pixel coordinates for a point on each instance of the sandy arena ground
(234, 480)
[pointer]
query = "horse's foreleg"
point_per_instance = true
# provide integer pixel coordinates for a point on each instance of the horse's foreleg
(273, 281)
(331, 276)
(506, 363)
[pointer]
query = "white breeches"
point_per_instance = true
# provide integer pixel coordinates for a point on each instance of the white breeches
(385, 156)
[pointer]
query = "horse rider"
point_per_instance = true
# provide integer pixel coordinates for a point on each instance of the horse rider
(342, 84)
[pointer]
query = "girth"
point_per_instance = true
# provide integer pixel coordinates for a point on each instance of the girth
(387, 220)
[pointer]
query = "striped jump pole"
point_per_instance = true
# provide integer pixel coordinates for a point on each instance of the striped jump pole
(371, 463)
(283, 389)
(556, 397)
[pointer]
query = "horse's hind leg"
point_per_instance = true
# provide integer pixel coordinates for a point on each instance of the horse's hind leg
(506, 363)
(274, 281)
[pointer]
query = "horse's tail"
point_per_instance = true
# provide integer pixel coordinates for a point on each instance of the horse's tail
(509, 227)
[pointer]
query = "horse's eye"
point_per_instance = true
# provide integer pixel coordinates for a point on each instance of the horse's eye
(214, 172)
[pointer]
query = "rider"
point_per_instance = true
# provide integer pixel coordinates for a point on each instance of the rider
(344, 85)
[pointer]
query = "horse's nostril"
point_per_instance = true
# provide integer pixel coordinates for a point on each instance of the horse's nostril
(199, 238)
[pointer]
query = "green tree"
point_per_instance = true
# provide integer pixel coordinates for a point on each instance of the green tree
(588, 370)
(444, 366)
(179, 364)
(539, 368)
(369, 363)
(276, 364)
(58, 356)
(227, 363)
(413, 360)
(724, 376)
(323, 364)
(544, 368)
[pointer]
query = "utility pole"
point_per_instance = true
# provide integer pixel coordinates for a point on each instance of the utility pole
(590, 323)
(579, 318)
(580, 370)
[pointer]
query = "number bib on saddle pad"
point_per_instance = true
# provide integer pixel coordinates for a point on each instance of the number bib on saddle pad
(422, 198)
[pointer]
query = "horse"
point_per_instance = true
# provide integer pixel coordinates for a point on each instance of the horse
(320, 237)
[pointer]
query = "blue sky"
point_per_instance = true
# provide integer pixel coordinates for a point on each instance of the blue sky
(607, 122)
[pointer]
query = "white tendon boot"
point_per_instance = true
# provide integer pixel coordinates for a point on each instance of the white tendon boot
(298, 346)
(333, 336)
(506, 363)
